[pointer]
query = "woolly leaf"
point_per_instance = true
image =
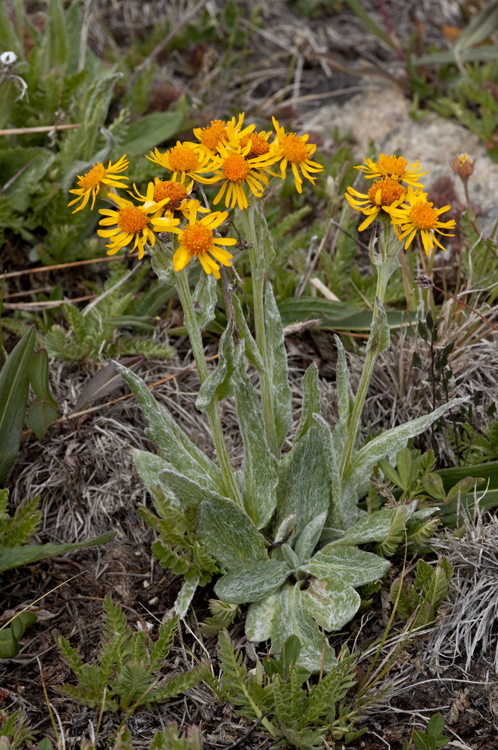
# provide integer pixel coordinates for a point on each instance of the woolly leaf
(346, 564)
(308, 539)
(229, 534)
(204, 299)
(149, 467)
(219, 383)
(260, 475)
(331, 603)
(185, 596)
(252, 582)
(311, 401)
(276, 358)
(345, 398)
(251, 349)
(373, 528)
(337, 512)
(260, 616)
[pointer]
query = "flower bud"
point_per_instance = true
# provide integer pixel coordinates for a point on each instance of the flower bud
(463, 166)
(8, 58)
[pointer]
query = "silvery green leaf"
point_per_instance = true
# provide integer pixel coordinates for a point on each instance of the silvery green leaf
(251, 583)
(380, 333)
(251, 348)
(260, 616)
(219, 382)
(286, 529)
(311, 401)
(331, 603)
(205, 298)
(373, 528)
(161, 260)
(177, 449)
(185, 596)
(338, 514)
(295, 620)
(259, 467)
(189, 494)
(357, 474)
(419, 515)
(306, 489)
(309, 536)
(290, 556)
(345, 398)
(276, 359)
(148, 466)
(228, 533)
(346, 564)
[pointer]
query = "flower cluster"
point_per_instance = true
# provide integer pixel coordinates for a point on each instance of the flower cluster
(406, 206)
(238, 157)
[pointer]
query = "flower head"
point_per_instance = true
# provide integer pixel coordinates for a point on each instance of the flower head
(129, 222)
(419, 215)
(383, 193)
(296, 152)
(237, 170)
(197, 240)
(213, 136)
(463, 165)
(184, 160)
(395, 167)
(91, 183)
(175, 193)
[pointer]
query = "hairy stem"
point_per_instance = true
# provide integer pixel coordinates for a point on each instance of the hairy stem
(192, 326)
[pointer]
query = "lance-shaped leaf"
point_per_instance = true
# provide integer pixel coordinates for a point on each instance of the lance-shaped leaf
(205, 298)
(189, 493)
(260, 475)
(331, 603)
(149, 466)
(311, 401)
(228, 533)
(175, 445)
(251, 348)
(336, 510)
(219, 382)
(251, 583)
(14, 386)
(12, 557)
(308, 539)
(185, 596)
(373, 528)
(307, 486)
(295, 620)
(357, 474)
(346, 564)
(380, 333)
(276, 358)
(161, 260)
(38, 376)
(260, 617)
(40, 417)
(345, 398)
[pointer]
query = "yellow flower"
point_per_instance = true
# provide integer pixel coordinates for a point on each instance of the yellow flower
(395, 167)
(212, 136)
(418, 215)
(197, 240)
(130, 222)
(184, 159)
(175, 193)
(92, 181)
(296, 152)
(385, 192)
(237, 170)
(257, 142)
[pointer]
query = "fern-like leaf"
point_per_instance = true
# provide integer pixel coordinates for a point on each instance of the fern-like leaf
(223, 616)
(87, 697)
(132, 684)
(161, 648)
(329, 691)
(74, 662)
(179, 684)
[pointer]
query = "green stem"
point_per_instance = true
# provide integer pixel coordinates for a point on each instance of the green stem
(192, 326)
(386, 262)
(258, 272)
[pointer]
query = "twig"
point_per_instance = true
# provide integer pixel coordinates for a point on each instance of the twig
(16, 176)
(358, 241)
(44, 305)
(162, 45)
(44, 269)
(39, 129)
(425, 282)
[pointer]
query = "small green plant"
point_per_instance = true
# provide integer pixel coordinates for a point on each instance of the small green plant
(14, 729)
(128, 673)
(430, 740)
(169, 739)
(423, 597)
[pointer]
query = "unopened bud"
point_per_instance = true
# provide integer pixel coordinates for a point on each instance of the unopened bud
(8, 58)
(463, 166)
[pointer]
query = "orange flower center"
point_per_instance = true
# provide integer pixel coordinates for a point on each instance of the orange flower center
(395, 166)
(175, 191)
(390, 191)
(93, 177)
(259, 145)
(197, 239)
(214, 135)
(423, 216)
(295, 148)
(182, 158)
(131, 219)
(235, 168)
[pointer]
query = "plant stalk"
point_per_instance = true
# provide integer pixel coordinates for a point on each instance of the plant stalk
(258, 272)
(192, 326)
